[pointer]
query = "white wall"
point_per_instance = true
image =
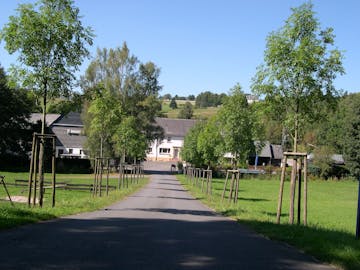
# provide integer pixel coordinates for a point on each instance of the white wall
(75, 152)
(174, 144)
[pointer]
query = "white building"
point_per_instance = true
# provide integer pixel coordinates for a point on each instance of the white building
(169, 149)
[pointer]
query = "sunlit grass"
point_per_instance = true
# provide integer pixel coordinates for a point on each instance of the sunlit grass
(330, 234)
(67, 201)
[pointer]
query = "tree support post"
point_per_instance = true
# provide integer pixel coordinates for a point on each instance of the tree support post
(302, 157)
(39, 140)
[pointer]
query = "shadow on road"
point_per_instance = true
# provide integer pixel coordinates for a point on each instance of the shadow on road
(123, 243)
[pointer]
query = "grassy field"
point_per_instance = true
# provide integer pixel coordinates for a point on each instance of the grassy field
(330, 234)
(199, 113)
(67, 201)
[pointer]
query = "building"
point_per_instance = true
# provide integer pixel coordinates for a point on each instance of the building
(169, 148)
(69, 133)
(270, 154)
(70, 137)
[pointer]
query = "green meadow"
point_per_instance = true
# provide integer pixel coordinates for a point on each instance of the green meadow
(330, 234)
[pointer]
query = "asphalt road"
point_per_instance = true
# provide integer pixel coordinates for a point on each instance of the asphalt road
(160, 227)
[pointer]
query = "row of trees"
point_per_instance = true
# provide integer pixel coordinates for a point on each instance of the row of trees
(302, 109)
(232, 130)
(296, 81)
(209, 99)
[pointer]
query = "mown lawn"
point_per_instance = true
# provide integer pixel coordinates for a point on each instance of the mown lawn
(330, 234)
(67, 201)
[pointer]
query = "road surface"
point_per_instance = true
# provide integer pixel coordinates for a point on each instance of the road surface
(159, 227)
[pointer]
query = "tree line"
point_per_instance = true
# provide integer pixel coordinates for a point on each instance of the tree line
(302, 109)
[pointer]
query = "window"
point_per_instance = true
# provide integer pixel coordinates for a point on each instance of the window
(149, 150)
(164, 150)
(70, 151)
(168, 139)
(60, 152)
(81, 152)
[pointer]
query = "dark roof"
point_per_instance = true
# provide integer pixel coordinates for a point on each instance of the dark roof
(69, 137)
(71, 119)
(175, 127)
(273, 151)
(50, 118)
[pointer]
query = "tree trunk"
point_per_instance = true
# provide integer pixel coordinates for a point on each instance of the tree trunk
(101, 146)
(42, 148)
(294, 170)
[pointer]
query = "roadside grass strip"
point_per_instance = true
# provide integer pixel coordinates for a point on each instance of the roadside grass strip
(330, 234)
(68, 202)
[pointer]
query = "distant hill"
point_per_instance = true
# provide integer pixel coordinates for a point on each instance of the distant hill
(200, 113)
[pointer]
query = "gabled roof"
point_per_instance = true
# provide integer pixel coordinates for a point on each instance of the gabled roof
(175, 127)
(66, 139)
(72, 119)
(269, 150)
(50, 118)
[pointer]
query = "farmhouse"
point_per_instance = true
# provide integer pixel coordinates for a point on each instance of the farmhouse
(70, 138)
(69, 133)
(169, 148)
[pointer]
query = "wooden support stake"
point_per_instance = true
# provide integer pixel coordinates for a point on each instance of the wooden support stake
(35, 169)
(231, 186)
(225, 185)
(292, 191)
(107, 177)
(31, 170)
(237, 187)
(101, 175)
(282, 180)
(305, 191)
(6, 190)
(53, 167)
(299, 196)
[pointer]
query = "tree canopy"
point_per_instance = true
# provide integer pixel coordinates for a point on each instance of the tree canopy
(186, 111)
(15, 109)
(300, 65)
(237, 125)
(124, 91)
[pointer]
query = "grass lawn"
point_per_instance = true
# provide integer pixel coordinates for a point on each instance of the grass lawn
(330, 234)
(67, 201)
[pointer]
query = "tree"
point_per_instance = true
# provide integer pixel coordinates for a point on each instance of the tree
(187, 111)
(237, 126)
(210, 142)
(299, 70)
(349, 117)
(51, 42)
(298, 74)
(167, 96)
(208, 99)
(191, 97)
(129, 140)
(341, 131)
(63, 106)
(15, 109)
(100, 120)
(117, 77)
(173, 104)
(190, 152)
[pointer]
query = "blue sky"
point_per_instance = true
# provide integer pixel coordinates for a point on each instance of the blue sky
(206, 45)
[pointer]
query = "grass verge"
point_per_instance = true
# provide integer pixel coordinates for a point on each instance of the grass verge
(329, 235)
(67, 201)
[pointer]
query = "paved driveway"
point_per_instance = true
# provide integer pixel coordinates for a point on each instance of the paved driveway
(160, 227)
